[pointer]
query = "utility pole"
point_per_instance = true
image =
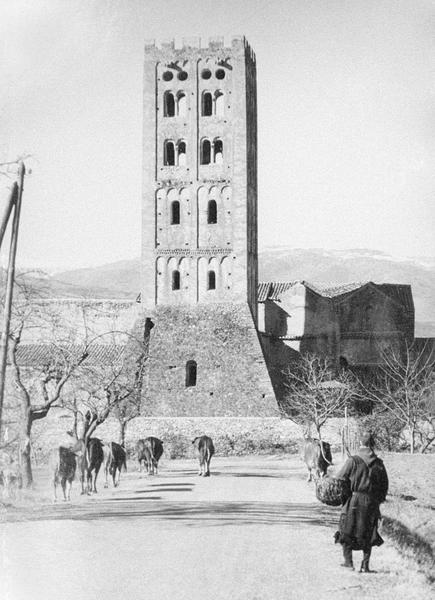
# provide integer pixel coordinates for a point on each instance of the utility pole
(17, 193)
(8, 209)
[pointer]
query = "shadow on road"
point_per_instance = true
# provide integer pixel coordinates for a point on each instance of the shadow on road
(277, 475)
(192, 514)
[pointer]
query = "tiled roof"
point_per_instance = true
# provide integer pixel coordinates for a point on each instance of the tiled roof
(37, 355)
(401, 293)
(272, 290)
(330, 290)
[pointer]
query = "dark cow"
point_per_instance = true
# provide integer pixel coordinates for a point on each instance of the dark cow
(115, 458)
(317, 457)
(149, 452)
(205, 448)
(91, 457)
(63, 465)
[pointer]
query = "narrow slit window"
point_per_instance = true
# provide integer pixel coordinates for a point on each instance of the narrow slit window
(205, 152)
(181, 104)
(175, 213)
(169, 153)
(212, 212)
(168, 104)
(207, 104)
(175, 280)
(191, 373)
(181, 153)
(219, 104)
(218, 150)
(211, 280)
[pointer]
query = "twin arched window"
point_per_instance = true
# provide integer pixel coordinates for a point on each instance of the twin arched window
(176, 280)
(174, 154)
(212, 104)
(174, 104)
(211, 152)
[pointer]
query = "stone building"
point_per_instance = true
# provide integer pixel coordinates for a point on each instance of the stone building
(199, 240)
(351, 324)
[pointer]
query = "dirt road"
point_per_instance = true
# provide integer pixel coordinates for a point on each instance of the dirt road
(252, 531)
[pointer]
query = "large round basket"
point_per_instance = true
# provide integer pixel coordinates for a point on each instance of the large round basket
(330, 491)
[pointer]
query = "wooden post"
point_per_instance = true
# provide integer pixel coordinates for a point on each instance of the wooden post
(11, 201)
(10, 286)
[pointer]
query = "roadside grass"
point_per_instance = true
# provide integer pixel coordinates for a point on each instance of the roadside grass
(408, 514)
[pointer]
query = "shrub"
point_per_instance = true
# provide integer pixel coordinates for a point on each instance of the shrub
(386, 429)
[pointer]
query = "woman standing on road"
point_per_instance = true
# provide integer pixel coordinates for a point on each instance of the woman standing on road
(366, 484)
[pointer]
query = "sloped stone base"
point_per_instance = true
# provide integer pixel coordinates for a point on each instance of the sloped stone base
(232, 378)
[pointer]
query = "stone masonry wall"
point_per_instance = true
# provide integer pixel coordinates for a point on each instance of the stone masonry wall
(232, 378)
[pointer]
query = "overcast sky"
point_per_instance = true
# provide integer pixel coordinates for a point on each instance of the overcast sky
(346, 110)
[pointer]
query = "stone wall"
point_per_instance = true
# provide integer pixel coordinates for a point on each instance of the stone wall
(231, 435)
(232, 378)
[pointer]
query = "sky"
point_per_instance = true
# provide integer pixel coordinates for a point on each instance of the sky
(346, 118)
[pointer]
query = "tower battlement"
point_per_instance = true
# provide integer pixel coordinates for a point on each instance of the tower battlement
(188, 44)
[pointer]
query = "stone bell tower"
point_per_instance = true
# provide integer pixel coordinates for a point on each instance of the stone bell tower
(199, 240)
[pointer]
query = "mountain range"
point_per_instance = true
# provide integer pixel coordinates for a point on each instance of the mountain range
(122, 279)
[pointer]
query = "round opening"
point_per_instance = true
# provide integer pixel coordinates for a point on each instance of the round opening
(182, 76)
(220, 74)
(206, 74)
(167, 75)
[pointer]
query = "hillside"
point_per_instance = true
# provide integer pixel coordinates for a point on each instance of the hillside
(122, 279)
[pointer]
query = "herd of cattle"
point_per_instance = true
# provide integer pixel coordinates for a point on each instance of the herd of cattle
(88, 457)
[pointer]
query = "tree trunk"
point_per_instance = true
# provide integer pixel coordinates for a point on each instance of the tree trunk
(412, 432)
(122, 432)
(24, 450)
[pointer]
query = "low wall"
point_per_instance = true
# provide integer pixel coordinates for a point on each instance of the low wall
(231, 435)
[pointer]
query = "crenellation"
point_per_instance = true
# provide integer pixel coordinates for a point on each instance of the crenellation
(193, 46)
(216, 42)
(191, 42)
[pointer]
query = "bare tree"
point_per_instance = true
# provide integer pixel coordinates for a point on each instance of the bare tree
(405, 386)
(315, 392)
(46, 384)
(111, 386)
(37, 389)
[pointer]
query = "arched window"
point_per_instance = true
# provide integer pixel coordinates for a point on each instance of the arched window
(181, 150)
(181, 104)
(207, 104)
(205, 152)
(218, 150)
(219, 101)
(212, 212)
(169, 153)
(168, 104)
(175, 280)
(211, 280)
(191, 369)
(175, 213)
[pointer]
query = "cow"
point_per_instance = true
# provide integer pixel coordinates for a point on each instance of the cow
(115, 458)
(63, 464)
(205, 448)
(317, 457)
(91, 457)
(149, 452)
